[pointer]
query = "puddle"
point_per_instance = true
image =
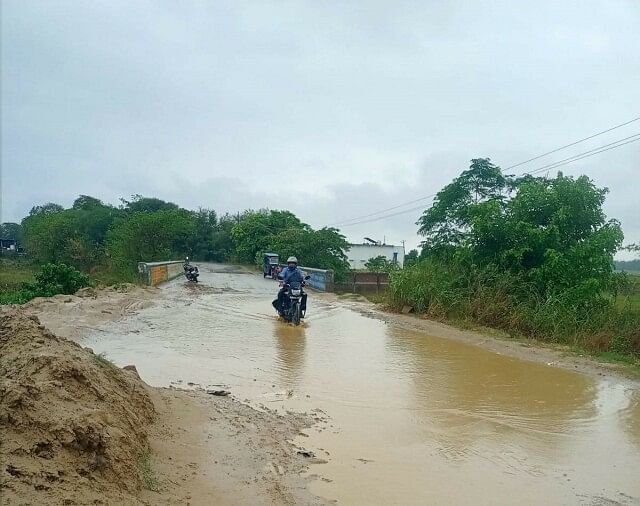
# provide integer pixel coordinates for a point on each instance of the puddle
(403, 417)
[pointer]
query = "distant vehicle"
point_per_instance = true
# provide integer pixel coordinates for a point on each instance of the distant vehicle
(190, 271)
(270, 266)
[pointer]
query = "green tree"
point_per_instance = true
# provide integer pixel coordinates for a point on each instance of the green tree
(47, 208)
(380, 264)
(47, 235)
(533, 254)
(321, 249)
(86, 202)
(140, 204)
(411, 258)
(255, 230)
(447, 222)
(74, 236)
(149, 237)
(11, 231)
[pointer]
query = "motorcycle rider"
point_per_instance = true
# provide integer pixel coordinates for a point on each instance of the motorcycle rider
(291, 274)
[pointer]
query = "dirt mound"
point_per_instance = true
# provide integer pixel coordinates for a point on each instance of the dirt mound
(73, 425)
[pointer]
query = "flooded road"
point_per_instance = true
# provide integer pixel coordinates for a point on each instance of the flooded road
(404, 417)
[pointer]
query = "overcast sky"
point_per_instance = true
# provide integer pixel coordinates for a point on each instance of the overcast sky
(330, 109)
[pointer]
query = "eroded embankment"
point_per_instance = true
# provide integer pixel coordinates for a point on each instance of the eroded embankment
(74, 427)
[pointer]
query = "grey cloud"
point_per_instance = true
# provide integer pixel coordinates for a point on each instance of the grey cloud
(361, 105)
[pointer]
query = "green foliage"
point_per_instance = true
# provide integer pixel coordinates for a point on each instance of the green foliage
(14, 273)
(48, 208)
(12, 231)
(109, 241)
(73, 236)
(491, 297)
(146, 471)
(411, 258)
(380, 264)
(530, 255)
(148, 237)
(50, 280)
(321, 249)
(140, 204)
(58, 278)
(252, 234)
(448, 221)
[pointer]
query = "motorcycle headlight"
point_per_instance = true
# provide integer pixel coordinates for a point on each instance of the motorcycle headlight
(295, 292)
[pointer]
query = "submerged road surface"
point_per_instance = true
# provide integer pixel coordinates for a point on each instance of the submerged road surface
(404, 417)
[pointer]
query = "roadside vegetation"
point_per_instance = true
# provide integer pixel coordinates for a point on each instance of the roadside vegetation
(97, 243)
(24, 284)
(530, 255)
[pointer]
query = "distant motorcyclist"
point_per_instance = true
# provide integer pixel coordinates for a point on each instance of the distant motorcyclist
(190, 271)
(288, 275)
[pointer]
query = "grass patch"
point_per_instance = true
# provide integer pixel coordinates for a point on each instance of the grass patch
(376, 298)
(14, 272)
(146, 472)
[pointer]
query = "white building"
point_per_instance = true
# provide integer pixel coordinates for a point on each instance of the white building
(359, 254)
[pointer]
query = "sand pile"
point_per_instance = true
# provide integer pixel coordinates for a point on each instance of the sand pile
(73, 427)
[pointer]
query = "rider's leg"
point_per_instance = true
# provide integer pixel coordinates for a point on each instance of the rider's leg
(281, 295)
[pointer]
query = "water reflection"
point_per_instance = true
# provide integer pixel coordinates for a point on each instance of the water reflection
(290, 352)
(456, 377)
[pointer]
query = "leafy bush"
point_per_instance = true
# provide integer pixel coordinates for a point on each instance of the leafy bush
(58, 278)
(52, 279)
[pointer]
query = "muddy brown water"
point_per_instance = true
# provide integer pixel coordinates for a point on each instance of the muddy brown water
(403, 417)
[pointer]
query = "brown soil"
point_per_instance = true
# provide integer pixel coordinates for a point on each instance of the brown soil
(73, 316)
(73, 427)
(76, 429)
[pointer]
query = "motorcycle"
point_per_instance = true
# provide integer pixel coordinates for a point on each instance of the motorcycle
(293, 310)
(191, 272)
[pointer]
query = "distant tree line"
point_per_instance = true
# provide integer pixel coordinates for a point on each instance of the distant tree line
(98, 237)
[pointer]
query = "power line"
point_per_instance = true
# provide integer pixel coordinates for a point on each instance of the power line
(574, 143)
(385, 210)
(346, 222)
(560, 163)
(587, 154)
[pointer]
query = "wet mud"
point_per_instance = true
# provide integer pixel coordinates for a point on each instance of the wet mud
(402, 416)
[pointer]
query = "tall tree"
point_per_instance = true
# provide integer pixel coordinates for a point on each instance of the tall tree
(447, 222)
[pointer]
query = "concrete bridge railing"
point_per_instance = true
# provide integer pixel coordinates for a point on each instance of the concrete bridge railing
(154, 273)
(321, 279)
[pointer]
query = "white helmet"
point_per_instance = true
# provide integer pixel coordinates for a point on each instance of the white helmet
(292, 260)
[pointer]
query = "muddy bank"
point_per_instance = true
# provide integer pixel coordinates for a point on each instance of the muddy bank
(76, 429)
(214, 450)
(73, 426)
(74, 316)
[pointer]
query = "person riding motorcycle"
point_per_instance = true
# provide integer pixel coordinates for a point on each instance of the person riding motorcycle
(288, 275)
